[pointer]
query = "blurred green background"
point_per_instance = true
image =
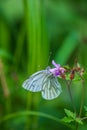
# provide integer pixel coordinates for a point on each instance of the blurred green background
(32, 33)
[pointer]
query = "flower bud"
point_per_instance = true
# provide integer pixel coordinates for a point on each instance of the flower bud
(72, 74)
(82, 71)
(63, 76)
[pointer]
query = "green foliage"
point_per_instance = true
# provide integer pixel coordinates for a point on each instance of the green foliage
(78, 120)
(85, 108)
(27, 113)
(70, 114)
(71, 117)
(68, 46)
(67, 119)
(5, 55)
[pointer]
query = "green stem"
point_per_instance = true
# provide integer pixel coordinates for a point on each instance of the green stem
(19, 46)
(45, 40)
(84, 118)
(30, 31)
(70, 94)
(33, 113)
(77, 125)
(82, 99)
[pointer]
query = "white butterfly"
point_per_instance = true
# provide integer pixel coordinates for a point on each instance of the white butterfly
(45, 82)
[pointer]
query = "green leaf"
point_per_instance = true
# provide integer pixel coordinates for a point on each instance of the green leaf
(86, 114)
(70, 114)
(85, 76)
(67, 119)
(85, 107)
(71, 117)
(79, 121)
(77, 77)
(5, 54)
(67, 48)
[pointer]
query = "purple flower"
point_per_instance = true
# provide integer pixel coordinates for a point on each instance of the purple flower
(57, 71)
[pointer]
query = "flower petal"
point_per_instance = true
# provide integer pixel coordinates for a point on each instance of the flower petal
(56, 65)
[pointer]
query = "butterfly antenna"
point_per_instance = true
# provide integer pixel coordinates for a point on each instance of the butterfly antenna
(49, 58)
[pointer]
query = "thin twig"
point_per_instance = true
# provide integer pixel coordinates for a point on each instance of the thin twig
(84, 118)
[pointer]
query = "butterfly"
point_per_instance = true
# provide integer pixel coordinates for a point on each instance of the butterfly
(45, 82)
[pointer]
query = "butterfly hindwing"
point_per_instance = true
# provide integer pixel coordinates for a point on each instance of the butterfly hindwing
(34, 83)
(51, 88)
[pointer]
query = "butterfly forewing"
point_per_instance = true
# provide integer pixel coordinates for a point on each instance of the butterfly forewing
(51, 88)
(34, 83)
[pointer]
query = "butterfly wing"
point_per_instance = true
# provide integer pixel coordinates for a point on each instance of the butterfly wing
(51, 88)
(34, 83)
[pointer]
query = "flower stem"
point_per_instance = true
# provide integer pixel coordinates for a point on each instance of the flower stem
(70, 94)
(82, 99)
